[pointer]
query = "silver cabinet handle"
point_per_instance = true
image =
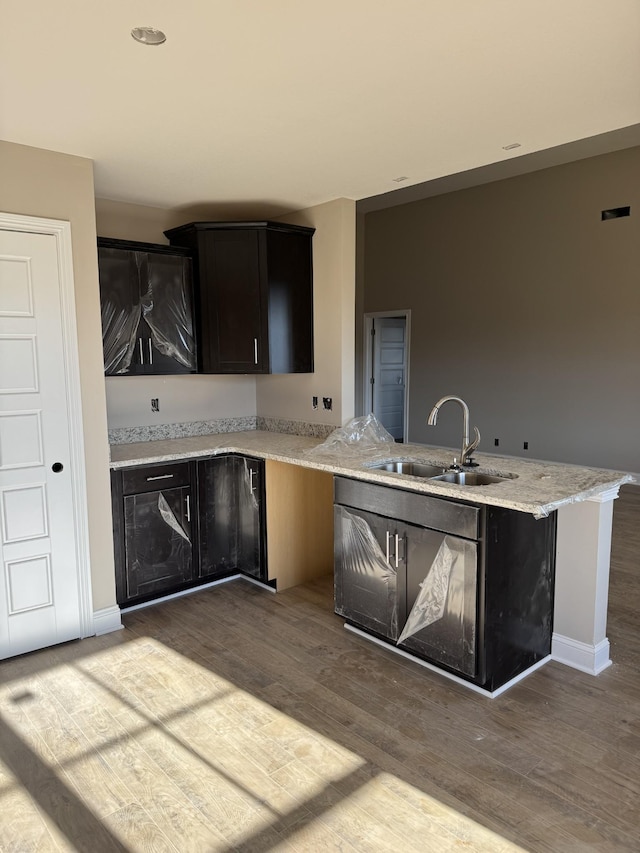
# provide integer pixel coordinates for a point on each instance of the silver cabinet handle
(150, 351)
(397, 543)
(252, 485)
(141, 351)
(388, 537)
(255, 350)
(160, 477)
(188, 502)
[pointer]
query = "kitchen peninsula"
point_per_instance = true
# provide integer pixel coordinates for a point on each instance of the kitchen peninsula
(582, 497)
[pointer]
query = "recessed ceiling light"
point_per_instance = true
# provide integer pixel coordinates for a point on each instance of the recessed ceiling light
(148, 35)
(511, 146)
(400, 179)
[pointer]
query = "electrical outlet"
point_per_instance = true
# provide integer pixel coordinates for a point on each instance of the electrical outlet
(496, 442)
(314, 402)
(525, 445)
(327, 403)
(155, 404)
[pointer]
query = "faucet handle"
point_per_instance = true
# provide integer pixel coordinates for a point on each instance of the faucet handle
(469, 448)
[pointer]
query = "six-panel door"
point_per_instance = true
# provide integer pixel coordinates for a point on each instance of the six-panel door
(40, 584)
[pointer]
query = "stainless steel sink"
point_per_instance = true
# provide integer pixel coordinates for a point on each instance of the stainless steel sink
(413, 469)
(469, 478)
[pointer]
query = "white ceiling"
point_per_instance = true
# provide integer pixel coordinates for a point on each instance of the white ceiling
(282, 104)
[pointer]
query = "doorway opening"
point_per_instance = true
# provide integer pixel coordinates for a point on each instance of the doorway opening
(386, 365)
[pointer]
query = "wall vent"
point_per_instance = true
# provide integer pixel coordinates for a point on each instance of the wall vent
(616, 212)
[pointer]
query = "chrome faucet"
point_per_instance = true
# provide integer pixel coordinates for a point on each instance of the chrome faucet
(467, 446)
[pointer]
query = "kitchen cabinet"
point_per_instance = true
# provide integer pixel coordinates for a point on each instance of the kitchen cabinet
(467, 588)
(232, 532)
(181, 524)
(153, 530)
(146, 307)
(253, 288)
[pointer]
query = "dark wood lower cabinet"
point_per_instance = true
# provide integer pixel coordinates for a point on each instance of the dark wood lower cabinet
(158, 545)
(468, 588)
(181, 524)
(231, 498)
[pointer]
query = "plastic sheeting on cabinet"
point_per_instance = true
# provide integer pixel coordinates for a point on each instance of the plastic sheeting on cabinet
(367, 585)
(169, 517)
(141, 285)
(430, 604)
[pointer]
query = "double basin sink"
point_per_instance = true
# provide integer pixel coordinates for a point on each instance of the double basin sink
(439, 473)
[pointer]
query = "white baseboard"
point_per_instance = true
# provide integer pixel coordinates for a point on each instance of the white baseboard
(107, 620)
(265, 586)
(582, 656)
(443, 672)
(180, 594)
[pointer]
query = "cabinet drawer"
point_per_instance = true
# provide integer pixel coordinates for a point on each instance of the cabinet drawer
(152, 478)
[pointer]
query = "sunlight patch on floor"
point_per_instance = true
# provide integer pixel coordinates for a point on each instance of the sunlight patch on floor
(157, 750)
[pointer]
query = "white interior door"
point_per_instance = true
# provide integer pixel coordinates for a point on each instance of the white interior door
(389, 373)
(41, 589)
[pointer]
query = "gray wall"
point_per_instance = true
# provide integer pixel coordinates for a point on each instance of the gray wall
(525, 304)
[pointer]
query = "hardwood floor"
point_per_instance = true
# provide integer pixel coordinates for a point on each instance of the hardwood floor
(234, 719)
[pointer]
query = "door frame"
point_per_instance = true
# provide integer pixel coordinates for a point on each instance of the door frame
(367, 362)
(61, 231)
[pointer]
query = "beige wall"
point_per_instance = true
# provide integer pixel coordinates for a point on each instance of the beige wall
(46, 184)
(524, 303)
(182, 398)
(289, 396)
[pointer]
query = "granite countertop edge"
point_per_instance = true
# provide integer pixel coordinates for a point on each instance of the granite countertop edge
(537, 488)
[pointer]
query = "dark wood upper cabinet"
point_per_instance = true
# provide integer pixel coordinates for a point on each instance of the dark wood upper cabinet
(253, 290)
(147, 308)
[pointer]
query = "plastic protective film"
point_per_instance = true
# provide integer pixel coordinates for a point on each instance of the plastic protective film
(165, 308)
(120, 308)
(119, 333)
(364, 433)
(431, 601)
(247, 494)
(168, 515)
(442, 621)
(365, 583)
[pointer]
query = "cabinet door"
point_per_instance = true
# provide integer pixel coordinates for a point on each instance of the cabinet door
(120, 310)
(167, 314)
(218, 516)
(440, 598)
(231, 525)
(251, 551)
(147, 311)
(365, 580)
(158, 544)
(234, 332)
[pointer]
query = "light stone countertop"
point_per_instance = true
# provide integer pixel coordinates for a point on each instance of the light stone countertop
(538, 487)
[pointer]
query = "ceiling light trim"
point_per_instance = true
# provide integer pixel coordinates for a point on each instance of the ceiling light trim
(148, 35)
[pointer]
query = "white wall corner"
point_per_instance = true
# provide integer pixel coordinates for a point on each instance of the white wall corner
(587, 658)
(107, 620)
